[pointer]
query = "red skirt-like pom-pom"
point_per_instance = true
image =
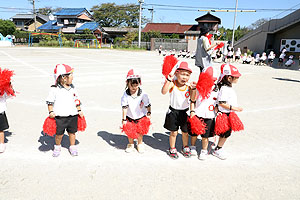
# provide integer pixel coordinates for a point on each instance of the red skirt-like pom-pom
(222, 124)
(49, 126)
(168, 65)
(143, 126)
(81, 124)
(205, 83)
(198, 126)
(5, 82)
(130, 129)
(219, 46)
(235, 122)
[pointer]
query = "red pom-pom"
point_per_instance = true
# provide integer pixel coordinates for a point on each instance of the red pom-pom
(143, 126)
(49, 126)
(5, 82)
(222, 124)
(219, 46)
(130, 130)
(209, 36)
(235, 122)
(168, 65)
(198, 126)
(81, 124)
(205, 83)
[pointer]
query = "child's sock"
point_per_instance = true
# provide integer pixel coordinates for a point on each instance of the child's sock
(217, 148)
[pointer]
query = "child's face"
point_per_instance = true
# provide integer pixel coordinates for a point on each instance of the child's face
(133, 85)
(233, 79)
(183, 76)
(68, 79)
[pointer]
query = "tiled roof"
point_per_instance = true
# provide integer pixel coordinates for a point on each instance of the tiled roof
(169, 28)
(70, 11)
(88, 25)
(50, 25)
(30, 16)
(208, 18)
(118, 29)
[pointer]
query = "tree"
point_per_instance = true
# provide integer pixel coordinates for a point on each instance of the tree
(112, 15)
(48, 10)
(258, 23)
(7, 27)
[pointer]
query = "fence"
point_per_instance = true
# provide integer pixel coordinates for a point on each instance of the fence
(169, 44)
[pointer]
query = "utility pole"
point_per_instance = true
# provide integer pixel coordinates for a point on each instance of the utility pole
(140, 21)
(34, 14)
(234, 21)
(152, 11)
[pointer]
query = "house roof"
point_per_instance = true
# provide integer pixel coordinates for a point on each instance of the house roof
(176, 28)
(89, 25)
(30, 16)
(50, 25)
(118, 29)
(70, 11)
(208, 18)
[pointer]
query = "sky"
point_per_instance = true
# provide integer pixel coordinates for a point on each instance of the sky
(183, 15)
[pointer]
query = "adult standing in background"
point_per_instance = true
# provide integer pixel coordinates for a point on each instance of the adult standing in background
(204, 49)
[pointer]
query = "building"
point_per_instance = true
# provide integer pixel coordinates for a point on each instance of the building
(112, 32)
(275, 35)
(25, 22)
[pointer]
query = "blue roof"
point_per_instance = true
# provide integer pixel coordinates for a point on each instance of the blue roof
(70, 11)
(88, 25)
(50, 25)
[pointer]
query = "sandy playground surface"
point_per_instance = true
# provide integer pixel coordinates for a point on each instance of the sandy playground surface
(263, 161)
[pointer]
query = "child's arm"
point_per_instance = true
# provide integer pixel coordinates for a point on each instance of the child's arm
(168, 84)
(124, 114)
(230, 107)
(80, 113)
(193, 97)
(51, 112)
(149, 112)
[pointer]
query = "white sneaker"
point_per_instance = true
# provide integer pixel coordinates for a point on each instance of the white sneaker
(141, 148)
(56, 151)
(2, 147)
(129, 148)
(203, 155)
(193, 151)
(219, 154)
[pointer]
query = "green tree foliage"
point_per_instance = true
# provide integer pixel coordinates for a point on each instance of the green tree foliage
(258, 23)
(112, 15)
(7, 27)
(226, 33)
(48, 10)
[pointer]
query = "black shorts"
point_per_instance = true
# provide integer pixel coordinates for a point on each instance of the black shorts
(229, 57)
(66, 123)
(280, 60)
(175, 119)
(210, 128)
(226, 134)
(134, 120)
(3, 122)
(270, 60)
(237, 57)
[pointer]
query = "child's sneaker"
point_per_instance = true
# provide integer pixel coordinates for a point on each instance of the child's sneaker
(141, 148)
(56, 151)
(186, 152)
(173, 153)
(129, 148)
(203, 155)
(73, 150)
(219, 154)
(193, 151)
(2, 147)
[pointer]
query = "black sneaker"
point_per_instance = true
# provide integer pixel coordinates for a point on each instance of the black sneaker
(173, 153)
(186, 152)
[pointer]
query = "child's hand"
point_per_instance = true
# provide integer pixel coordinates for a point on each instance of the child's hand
(52, 115)
(171, 76)
(149, 116)
(239, 109)
(192, 114)
(124, 122)
(80, 113)
(193, 85)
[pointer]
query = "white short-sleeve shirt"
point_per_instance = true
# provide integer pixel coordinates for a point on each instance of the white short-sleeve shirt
(136, 106)
(205, 108)
(3, 99)
(228, 95)
(63, 100)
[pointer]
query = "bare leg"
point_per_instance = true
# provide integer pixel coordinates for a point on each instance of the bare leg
(221, 141)
(185, 139)
(172, 139)
(58, 139)
(130, 140)
(72, 138)
(140, 139)
(193, 140)
(1, 137)
(204, 143)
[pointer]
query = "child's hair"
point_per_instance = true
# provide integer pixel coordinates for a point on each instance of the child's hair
(59, 79)
(225, 81)
(133, 81)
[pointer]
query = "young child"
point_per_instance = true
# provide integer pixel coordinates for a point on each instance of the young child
(271, 57)
(64, 106)
(281, 57)
(204, 109)
(263, 58)
(6, 91)
(135, 107)
(244, 58)
(290, 61)
(238, 55)
(257, 59)
(227, 102)
(176, 116)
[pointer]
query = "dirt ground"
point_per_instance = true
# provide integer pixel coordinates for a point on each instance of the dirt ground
(262, 161)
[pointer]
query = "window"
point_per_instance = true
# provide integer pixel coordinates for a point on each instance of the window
(19, 23)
